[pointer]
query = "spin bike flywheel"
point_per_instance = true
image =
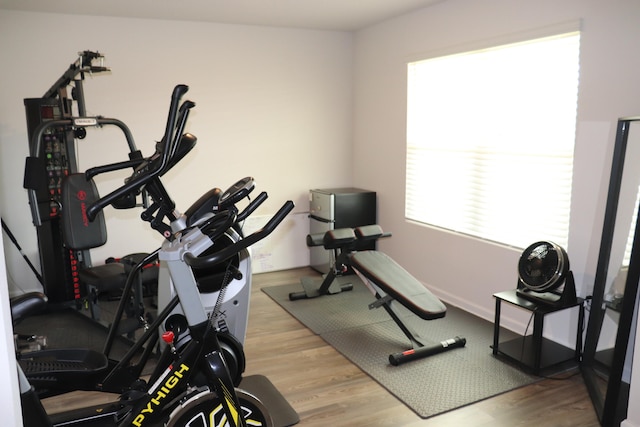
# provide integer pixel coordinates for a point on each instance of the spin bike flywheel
(205, 409)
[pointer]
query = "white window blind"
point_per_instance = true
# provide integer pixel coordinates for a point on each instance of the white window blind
(490, 137)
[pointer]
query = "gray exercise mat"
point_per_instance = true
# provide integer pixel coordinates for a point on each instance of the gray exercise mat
(428, 386)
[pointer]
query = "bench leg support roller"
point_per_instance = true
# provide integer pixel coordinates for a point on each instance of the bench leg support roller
(420, 352)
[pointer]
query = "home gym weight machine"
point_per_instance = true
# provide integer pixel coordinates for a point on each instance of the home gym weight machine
(54, 123)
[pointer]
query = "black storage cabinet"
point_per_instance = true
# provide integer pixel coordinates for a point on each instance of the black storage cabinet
(334, 208)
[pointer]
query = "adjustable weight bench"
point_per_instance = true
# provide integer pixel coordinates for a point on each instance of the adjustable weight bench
(387, 281)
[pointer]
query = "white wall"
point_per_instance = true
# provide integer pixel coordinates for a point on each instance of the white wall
(272, 103)
(463, 270)
(8, 375)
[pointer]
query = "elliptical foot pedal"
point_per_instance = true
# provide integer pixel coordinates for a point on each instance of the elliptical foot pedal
(62, 369)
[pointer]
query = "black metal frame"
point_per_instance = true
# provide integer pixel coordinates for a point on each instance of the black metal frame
(612, 406)
(59, 265)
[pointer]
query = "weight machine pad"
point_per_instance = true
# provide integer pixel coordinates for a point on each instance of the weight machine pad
(26, 305)
(315, 239)
(389, 276)
(338, 238)
(78, 194)
(369, 232)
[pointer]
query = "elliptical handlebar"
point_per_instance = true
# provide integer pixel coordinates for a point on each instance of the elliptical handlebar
(181, 121)
(166, 156)
(252, 206)
(160, 161)
(229, 251)
(176, 96)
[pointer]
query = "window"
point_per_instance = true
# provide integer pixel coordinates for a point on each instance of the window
(490, 137)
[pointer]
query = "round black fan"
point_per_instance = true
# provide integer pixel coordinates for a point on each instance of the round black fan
(543, 266)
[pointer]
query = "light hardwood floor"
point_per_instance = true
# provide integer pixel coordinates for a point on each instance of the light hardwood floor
(328, 390)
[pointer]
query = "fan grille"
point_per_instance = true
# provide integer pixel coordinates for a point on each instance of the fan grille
(543, 266)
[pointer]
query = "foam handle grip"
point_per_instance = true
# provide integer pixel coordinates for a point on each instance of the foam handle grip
(420, 352)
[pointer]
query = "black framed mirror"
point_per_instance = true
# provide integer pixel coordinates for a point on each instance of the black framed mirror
(610, 335)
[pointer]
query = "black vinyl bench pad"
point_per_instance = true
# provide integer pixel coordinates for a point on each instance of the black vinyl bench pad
(389, 276)
(341, 238)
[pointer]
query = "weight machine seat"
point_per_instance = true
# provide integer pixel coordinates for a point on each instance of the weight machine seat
(112, 276)
(105, 278)
(394, 280)
(25, 305)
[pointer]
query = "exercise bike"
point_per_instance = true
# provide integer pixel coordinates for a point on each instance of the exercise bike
(195, 381)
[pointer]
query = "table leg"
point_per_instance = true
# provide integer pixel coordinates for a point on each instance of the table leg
(496, 327)
(579, 334)
(538, 325)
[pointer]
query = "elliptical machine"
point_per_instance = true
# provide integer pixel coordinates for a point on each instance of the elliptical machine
(224, 289)
(197, 376)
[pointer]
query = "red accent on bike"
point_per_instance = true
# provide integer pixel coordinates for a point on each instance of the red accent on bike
(168, 337)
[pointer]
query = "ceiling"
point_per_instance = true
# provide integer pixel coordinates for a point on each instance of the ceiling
(335, 15)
